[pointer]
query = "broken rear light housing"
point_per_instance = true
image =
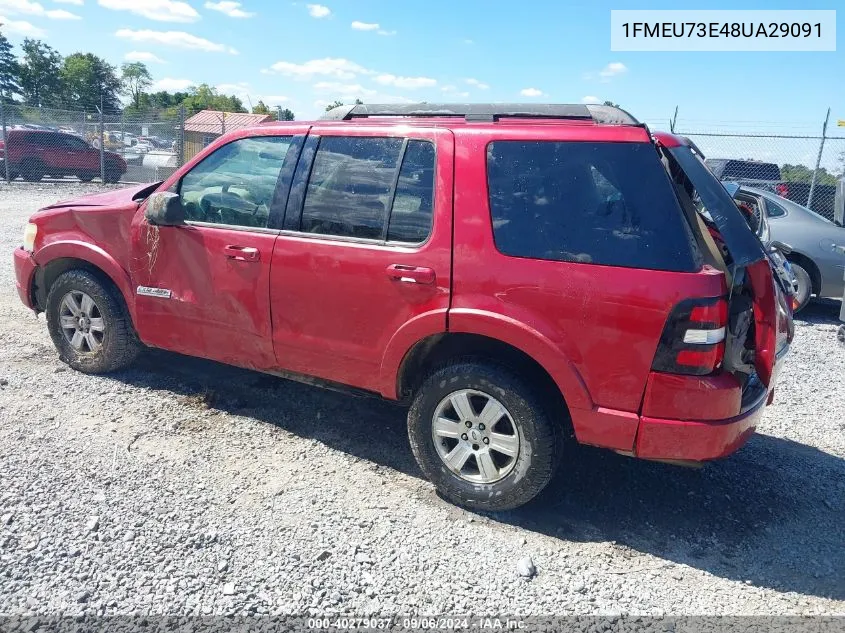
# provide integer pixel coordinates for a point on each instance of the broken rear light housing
(693, 339)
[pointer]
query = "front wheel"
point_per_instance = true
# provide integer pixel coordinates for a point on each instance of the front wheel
(89, 324)
(483, 437)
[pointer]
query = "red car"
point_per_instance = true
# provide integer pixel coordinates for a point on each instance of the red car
(522, 276)
(33, 154)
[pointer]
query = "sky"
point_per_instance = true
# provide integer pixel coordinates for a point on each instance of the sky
(303, 55)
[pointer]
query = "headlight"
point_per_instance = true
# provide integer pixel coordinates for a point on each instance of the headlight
(29, 233)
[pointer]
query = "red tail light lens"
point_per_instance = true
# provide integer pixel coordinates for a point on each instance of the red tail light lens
(782, 190)
(693, 339)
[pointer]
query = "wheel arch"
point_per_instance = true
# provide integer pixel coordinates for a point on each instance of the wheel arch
(439, 349)
(60, 257)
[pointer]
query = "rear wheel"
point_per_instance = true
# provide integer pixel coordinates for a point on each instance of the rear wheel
(482, 436)
(805, 286)
(89, 323)
(113, 176)
(85, 177)
(32, 169)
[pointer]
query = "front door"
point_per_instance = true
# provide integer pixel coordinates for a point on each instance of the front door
(365, 253)
(203, 288)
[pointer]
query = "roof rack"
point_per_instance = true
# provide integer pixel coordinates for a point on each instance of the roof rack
(485, 112)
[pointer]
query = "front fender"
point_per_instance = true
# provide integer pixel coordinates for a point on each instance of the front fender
(95, 256)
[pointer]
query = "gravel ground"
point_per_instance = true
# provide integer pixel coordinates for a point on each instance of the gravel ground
(186, 487)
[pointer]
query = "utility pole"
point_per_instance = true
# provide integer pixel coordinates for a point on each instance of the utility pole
(818, 161)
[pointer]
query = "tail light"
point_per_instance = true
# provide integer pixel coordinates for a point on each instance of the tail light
(693, 339)
(782, 189)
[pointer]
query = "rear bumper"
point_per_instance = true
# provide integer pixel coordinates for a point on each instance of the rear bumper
(698, 441)
(24, 272)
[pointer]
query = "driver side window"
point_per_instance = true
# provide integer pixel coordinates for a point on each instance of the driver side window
(235, 184)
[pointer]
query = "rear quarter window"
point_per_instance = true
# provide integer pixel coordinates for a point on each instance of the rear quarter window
(751, 171)
(594, 203)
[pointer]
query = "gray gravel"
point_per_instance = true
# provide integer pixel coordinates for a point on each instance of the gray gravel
(185, 487)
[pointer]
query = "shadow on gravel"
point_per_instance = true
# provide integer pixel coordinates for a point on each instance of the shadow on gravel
(821, 311)
(773, 515)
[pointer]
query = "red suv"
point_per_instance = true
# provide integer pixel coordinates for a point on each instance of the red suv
(33, 154)
(522, 276)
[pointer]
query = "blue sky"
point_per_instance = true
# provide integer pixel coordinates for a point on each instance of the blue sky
(301, 55)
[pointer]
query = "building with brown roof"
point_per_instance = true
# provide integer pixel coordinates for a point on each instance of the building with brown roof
(205, 126)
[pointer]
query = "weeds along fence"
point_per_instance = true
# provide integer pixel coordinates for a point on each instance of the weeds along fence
(85, 145)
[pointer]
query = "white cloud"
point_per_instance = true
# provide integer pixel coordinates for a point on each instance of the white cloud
(590, 99)
(172, 85)
(478, 84)
(612, 69)
(531, 92)
(388, 33)
(159, 10)
(366, 26)
(327, 67)
(177, 39)
(232, 9)
(469, 41)
(405, 82)
(25, 7)
(21, 27)
(239, 90)
(274, 100)
(78, 3)
(318, 11)
(143, 56)
(344, 92)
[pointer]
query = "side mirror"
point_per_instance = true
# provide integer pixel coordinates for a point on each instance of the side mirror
(786, 249)
(165, 209)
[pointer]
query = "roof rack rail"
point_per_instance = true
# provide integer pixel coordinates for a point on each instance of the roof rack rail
(485, 111)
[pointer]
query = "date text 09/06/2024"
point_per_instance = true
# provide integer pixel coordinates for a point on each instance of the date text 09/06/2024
(421, 623)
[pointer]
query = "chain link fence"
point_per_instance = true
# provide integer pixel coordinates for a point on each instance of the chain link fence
(43, 142)
(804, 169)
(39, 143)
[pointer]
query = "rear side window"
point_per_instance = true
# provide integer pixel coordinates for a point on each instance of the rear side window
(597, 203)
(773, 209)
(413, 204)
(349, 189)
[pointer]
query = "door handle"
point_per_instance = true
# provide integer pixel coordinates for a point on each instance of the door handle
(242, 253)
(411, 274)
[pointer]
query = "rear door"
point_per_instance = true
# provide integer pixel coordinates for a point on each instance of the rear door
(366, 249)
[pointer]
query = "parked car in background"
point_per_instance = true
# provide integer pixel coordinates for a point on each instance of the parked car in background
(817, 244)
(522, 276)
(752, 173)
(33, 154)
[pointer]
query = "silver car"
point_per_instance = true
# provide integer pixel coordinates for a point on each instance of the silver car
(818, 246)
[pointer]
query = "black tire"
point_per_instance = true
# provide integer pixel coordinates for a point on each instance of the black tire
(119, 346)
(32, 169)
(805, 286)
(540, 437)
(85, 177)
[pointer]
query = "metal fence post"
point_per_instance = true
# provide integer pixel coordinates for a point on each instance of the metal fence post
(102, 144)
(181, 142)
(84, 129)
(818, 161)
(6, 148)
(122, 139)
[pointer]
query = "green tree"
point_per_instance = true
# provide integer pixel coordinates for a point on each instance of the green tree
(9, 70)
(89, 80)
(40, 73)
(136, 78)
(205, 97)
(285, 115)
(610, 103)
(336, 104)
(800, 173)
(261, 108)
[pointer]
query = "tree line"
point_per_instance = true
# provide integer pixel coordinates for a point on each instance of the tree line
(42, 77)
